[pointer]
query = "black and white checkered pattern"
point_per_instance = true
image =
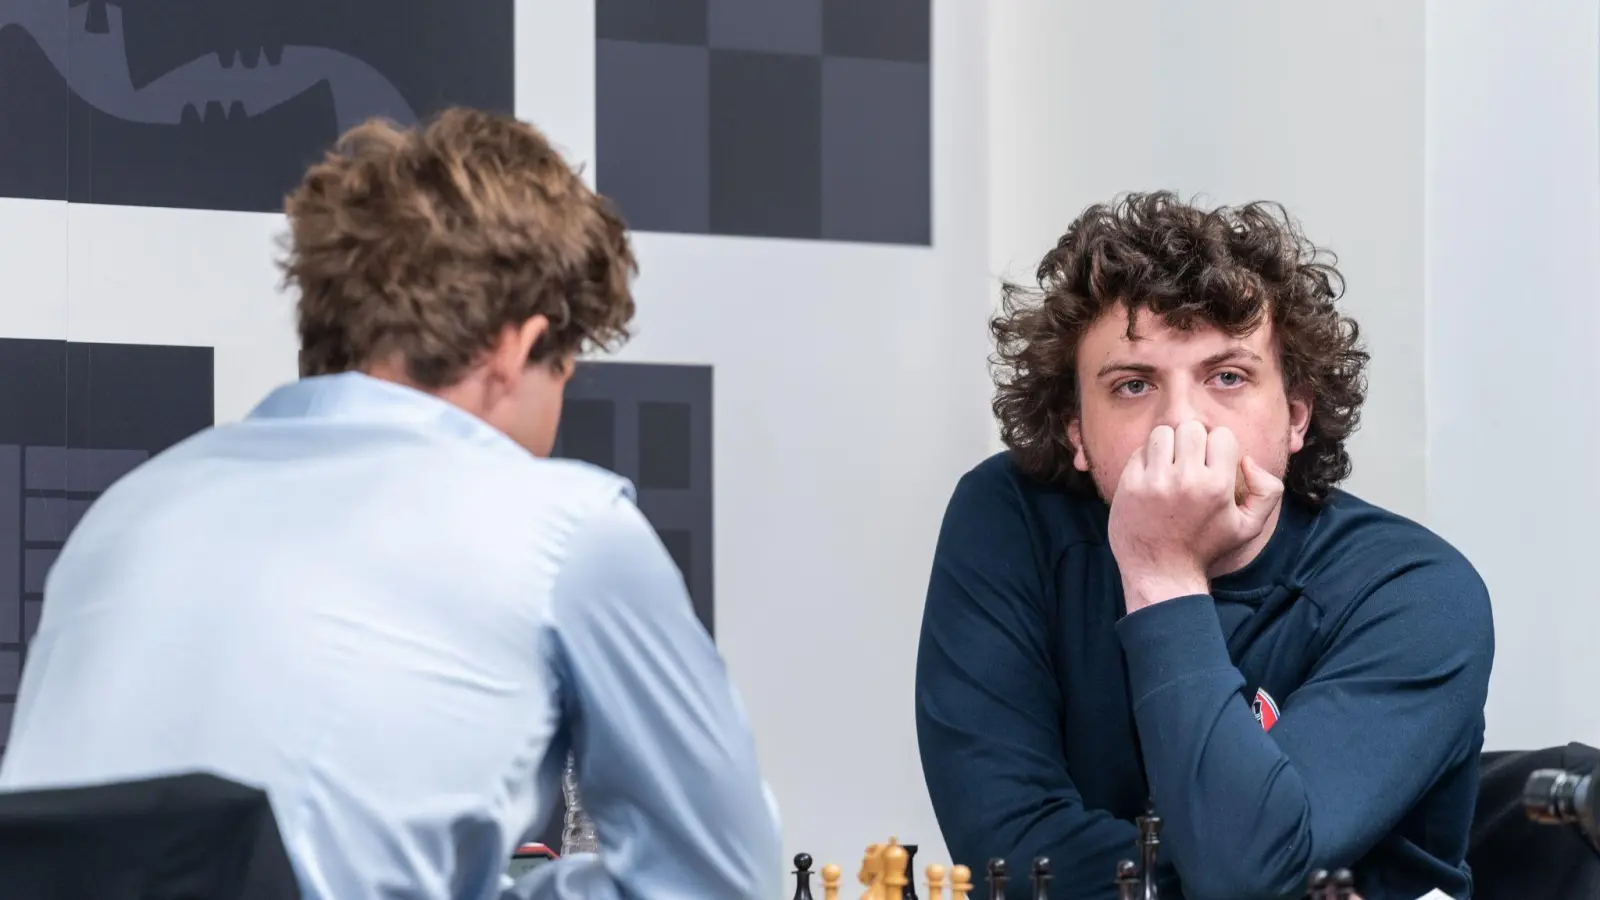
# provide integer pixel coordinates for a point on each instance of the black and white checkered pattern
(769, 118)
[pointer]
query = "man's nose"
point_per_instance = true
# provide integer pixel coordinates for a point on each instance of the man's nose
(1181, 406)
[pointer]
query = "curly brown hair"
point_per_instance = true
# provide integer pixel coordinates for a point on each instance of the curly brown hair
(425, 243)
(1229, 268)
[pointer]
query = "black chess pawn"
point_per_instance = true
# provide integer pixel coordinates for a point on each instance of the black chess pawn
(1041, 878)
(909, 892)
(802, 876)
(1344, 884)
(1320, 885)
(1127, 880)
(1149, 849)
(997, 879)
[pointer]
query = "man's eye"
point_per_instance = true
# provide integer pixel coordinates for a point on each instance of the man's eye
(1132, 388)
(1230, 379)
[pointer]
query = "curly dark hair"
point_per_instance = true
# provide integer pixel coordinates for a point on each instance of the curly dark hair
(427, 242)
(1228, 267)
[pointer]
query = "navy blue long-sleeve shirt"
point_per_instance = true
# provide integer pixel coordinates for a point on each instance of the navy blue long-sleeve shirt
(1321, 707)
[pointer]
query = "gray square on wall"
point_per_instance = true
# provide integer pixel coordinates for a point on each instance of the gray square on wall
(652, 21)
(767, 140)
(778, 26)
(653, 116)
(766, 155)
(875, 172)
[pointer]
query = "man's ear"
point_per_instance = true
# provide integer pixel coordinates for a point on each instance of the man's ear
(1080, 460)
(1299, 420)
(509, 356)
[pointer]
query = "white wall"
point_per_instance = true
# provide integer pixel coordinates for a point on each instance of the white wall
(1513, 230)
(1317, 106)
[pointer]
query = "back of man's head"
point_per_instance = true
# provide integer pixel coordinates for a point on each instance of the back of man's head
(421, 246)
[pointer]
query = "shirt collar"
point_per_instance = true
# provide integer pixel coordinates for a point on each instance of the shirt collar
(1261, 574)
(358, 397)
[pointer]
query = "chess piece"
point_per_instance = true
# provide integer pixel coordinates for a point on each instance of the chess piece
(830, 881)
(910, 892)
(1344, 884)
(997, 879)
(1149, 846)
(802, 876)
(960, 882)
(871, 874)
(1041, 878)
(894, 872)
(935, 882)
(577, 829)
(1127, 880)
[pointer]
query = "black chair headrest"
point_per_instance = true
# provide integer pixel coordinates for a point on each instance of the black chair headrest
(195, 834)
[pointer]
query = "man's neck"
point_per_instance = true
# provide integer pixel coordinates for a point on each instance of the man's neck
(466, 394)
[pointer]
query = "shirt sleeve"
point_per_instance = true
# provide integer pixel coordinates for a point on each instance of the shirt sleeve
(1395, 700)
(666, 760)
(988, 706)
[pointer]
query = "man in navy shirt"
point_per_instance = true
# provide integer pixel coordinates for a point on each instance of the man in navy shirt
(1158, 594)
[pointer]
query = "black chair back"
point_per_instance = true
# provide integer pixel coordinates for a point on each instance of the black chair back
(183, 837)
(1513, 858)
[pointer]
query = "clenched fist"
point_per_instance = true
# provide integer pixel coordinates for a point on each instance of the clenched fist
(1186, 500)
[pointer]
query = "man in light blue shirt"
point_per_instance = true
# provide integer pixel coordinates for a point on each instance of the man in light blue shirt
(376, 598)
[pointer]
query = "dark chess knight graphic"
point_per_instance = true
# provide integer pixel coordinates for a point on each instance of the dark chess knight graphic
(221, 104)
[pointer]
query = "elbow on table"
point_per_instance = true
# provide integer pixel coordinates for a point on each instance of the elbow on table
(1268, 872)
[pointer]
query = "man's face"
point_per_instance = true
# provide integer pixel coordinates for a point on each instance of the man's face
(1165, 376)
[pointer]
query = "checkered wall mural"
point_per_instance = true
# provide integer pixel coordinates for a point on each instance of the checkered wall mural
(73, 419)
(767, 118)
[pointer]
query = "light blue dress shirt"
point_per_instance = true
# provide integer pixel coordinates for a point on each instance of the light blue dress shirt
(396, 621)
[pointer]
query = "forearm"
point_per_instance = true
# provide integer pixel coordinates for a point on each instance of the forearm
(716, 863)
(983, 815)
(1236, 815)
(666, 761)
(1083, 847)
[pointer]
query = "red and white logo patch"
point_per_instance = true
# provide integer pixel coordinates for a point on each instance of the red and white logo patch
(1266, 709)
